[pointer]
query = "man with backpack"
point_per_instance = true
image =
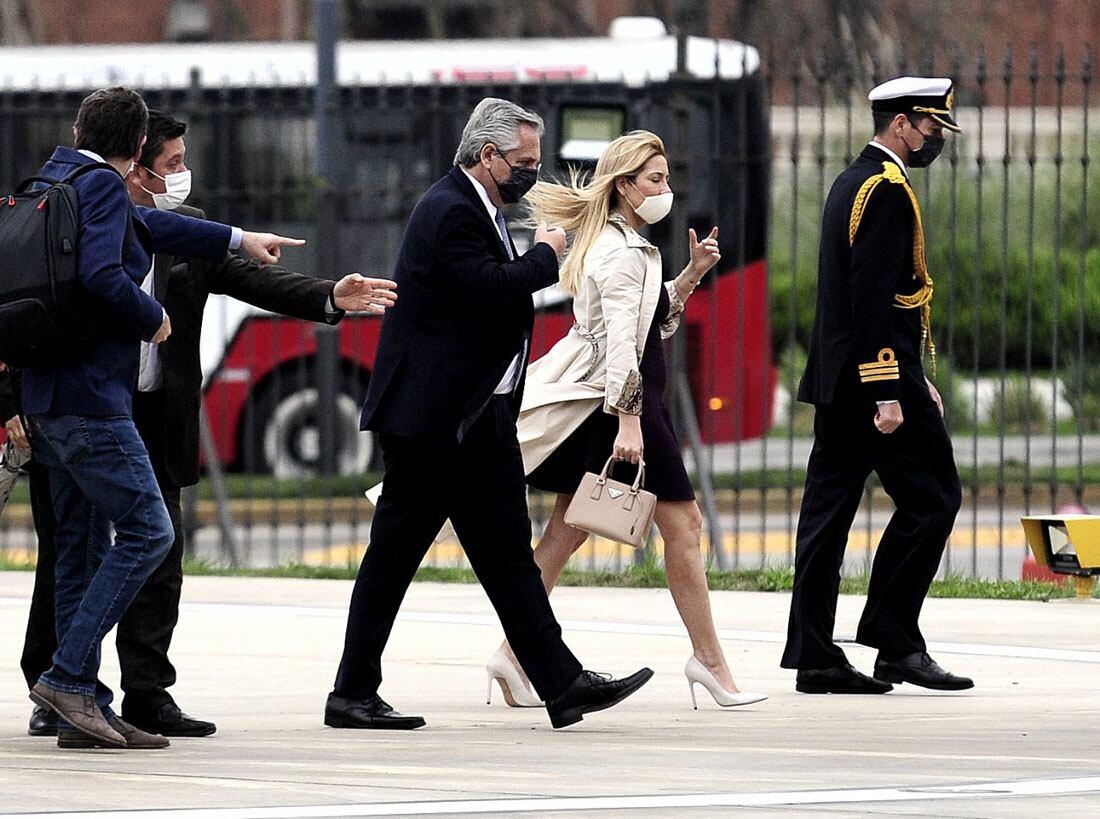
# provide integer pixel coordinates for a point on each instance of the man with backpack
(79, 409)
(167, 409)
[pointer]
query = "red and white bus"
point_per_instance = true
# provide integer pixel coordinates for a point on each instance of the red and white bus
(402, 105)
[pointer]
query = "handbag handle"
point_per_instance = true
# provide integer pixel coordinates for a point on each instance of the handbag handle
(638, 479)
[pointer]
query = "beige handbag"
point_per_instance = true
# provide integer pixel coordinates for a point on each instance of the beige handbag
(611, 509)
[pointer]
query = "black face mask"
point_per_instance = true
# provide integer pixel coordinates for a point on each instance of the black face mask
(927, 153)
(519, 181)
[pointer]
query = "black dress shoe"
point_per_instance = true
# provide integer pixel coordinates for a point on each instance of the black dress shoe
(841, 679)
(168, 721)
(372, 712)
(920, 669)
(43, 722)
(592, 692)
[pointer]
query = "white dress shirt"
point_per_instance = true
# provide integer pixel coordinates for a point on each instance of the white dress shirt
(150, 375)
(511, 375)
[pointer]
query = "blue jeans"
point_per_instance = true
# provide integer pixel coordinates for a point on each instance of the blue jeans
(100, 476)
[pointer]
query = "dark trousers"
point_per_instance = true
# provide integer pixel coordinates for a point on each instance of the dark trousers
(916, 465)
(479, 485)
(41, 640)
(145, 631)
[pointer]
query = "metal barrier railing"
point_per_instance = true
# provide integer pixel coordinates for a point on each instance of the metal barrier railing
(1013, 243)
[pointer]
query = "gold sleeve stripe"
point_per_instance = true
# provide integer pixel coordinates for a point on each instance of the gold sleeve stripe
(883, 368)
(882, 362)
(885, 356)
(867, 379)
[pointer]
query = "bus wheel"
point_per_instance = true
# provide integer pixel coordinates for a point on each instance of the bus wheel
(286, 436)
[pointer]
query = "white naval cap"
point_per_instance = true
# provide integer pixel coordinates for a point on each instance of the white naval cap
(934, 96)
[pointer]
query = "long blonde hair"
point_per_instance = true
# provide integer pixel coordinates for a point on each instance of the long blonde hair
(582, 206)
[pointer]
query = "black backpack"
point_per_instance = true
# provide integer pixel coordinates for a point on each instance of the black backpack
(43, 317)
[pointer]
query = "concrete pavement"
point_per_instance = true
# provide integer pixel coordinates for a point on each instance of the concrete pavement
(258, 656)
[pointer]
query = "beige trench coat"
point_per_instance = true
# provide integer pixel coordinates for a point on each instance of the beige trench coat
(596, 363)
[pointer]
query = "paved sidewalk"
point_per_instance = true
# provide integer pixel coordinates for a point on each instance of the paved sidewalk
(258, 656)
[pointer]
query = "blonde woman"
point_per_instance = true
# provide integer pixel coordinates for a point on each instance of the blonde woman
(599, 391)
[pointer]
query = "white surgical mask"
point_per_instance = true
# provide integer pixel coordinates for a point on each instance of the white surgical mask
(177, 186)
(653, 208)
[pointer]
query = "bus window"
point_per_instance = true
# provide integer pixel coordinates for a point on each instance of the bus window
(586, 130)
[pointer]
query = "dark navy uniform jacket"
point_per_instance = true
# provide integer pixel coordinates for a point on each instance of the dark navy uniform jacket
(872, 287)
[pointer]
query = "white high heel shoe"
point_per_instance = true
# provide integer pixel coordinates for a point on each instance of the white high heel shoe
(512, 684)
(696, 672)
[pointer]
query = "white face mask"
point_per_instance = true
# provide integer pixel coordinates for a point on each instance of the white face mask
(177, 186)
(653, 208)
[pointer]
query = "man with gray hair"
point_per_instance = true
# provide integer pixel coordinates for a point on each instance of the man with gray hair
(443, 400)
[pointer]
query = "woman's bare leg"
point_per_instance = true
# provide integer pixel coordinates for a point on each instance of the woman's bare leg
(681, 526)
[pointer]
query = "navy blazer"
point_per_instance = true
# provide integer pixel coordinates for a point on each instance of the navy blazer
(465, 312)
(117, 240)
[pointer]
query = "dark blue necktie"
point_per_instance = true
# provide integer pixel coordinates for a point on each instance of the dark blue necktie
(502, 228)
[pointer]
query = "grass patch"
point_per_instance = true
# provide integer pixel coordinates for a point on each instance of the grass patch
(202, 568)
(651, 576)
(263, 487)
(646, 576)
(8, 564)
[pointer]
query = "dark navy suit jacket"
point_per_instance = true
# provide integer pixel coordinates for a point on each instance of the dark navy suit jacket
(182, 285)
(115, 250)
(465, 312)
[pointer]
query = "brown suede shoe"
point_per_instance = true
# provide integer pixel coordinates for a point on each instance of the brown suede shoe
(80, 711)
(136, 739)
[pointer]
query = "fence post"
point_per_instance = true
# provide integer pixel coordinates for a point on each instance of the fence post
(327, 117)
(1086, 84)
(1056, 275)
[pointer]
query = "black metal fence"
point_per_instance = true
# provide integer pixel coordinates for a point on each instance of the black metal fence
(1013, 245)
(1014, 248)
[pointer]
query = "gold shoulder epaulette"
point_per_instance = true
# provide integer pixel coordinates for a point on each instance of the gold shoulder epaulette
(891, 173)
(922, 298)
